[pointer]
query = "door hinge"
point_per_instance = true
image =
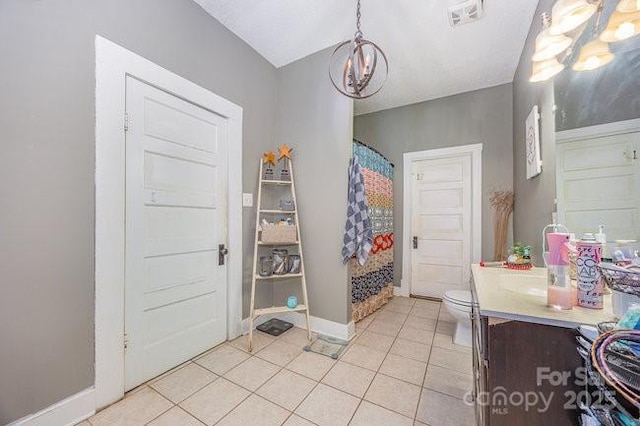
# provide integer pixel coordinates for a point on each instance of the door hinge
(126, 121)
(126, 341)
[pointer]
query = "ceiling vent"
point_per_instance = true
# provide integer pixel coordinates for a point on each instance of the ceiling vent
(465, 12)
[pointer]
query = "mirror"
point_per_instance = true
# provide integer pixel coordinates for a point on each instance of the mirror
(598, 140)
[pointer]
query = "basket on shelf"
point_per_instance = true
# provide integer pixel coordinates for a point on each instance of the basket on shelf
(621, 279)
(278, 233)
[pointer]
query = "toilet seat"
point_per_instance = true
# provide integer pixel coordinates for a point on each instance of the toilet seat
(460, 298)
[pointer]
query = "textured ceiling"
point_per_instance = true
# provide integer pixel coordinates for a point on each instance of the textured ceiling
(427, 58)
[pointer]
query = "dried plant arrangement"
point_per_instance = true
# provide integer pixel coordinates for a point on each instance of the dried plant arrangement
(502, 204)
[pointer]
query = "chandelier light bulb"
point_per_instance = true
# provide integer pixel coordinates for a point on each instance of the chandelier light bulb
(621, 26)
(628, 6)
(544, 70)
(548, 46)
(592, 62)
(594, 54)
(625, 30)
(567, 15)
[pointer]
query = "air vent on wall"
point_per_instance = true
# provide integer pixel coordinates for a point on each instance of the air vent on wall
(465, 12)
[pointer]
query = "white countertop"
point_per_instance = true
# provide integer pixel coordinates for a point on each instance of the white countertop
(522, 296)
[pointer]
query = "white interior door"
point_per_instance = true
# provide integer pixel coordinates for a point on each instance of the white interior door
(597, 184)
(176, 191)
(441, 212)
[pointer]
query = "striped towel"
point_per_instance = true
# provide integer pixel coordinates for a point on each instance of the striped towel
(358, 235)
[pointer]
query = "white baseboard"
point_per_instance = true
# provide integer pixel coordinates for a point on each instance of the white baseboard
(69, 411)
(318, 325)
(401, 291)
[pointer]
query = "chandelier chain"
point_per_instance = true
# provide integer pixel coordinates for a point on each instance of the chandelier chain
(358, 15)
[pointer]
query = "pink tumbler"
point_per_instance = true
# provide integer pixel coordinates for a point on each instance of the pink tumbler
(557, 262)
(558, 252)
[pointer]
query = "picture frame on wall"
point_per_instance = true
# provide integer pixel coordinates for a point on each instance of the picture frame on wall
(532, 143)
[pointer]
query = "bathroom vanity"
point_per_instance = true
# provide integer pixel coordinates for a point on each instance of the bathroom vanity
(526, 368)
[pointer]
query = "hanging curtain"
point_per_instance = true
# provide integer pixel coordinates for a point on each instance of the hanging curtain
(372, 283)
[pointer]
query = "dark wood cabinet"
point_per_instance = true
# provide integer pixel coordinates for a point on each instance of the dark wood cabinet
(524, 373)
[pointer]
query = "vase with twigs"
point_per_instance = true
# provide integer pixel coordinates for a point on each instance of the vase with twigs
(502, 204)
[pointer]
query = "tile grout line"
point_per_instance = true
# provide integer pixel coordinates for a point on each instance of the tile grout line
(380, 366)
(291, 412)
(280, 368)
(162, 396)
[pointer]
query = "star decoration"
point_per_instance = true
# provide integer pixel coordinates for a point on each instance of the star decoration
(269, 158)
(285, 152)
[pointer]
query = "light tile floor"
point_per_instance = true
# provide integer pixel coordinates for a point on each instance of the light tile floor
(401, 369)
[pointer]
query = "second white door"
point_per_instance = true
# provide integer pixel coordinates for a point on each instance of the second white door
(441, 224)
(176, 186)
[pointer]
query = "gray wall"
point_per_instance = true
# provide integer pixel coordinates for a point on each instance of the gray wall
(47, 167)
(317, 121)
(483, 116)
(535, 197)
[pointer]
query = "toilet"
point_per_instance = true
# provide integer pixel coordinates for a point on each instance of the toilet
(458, 303)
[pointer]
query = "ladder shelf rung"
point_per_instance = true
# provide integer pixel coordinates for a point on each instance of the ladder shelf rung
(277, 310)
(290, 243)
(278, 211)
(276, 182)
(278, 277)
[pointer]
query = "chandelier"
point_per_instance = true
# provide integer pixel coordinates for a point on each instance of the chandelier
(358, 67)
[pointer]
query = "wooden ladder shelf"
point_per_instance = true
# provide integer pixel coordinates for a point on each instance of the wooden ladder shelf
(259, 245)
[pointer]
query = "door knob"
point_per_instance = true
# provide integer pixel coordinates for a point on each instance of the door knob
(222, 252)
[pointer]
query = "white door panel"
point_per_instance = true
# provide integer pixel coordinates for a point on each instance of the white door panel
(441, 249)
(163, 120)
(175, 291)
(441, 199)
(449, 275)
(440, 224)
(441, 221)
(596, 184)
(444, 171)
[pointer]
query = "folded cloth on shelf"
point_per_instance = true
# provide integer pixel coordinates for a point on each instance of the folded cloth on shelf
(358, 235)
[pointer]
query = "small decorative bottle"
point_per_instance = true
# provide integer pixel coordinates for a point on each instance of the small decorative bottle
(590, 286)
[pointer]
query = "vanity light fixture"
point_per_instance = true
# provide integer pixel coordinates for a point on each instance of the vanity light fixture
(621, 26)
(548, 46)
(628, 6)
(593, 55)
(358, 67)
(544, 70)
(567, 15)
